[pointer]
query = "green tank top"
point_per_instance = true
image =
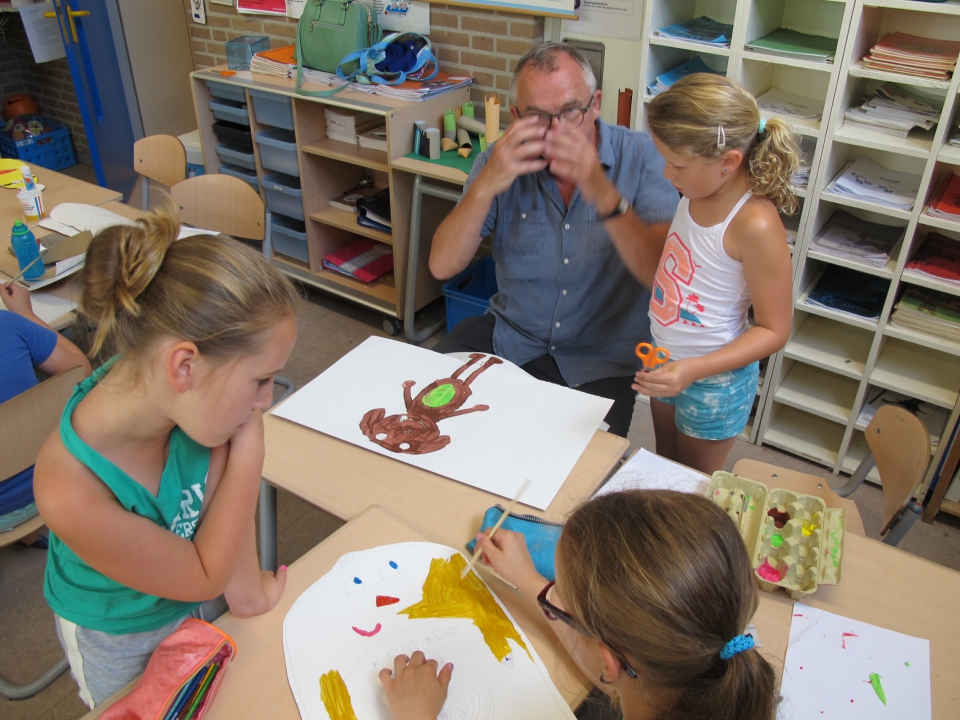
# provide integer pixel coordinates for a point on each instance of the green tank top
(76, 591)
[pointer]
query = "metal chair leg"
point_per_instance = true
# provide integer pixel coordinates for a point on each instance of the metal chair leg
(146, 192)
(21, 692)
(268, 500)
(907, 518)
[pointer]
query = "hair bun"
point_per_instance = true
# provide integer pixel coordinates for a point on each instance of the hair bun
(142, 248)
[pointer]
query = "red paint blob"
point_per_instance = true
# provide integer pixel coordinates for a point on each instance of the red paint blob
(386, 600)
(779, 518)
(768, 572)
(843, 641)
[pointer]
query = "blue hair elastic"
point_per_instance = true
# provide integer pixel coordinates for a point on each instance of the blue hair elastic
(737, 645)
(763, 124)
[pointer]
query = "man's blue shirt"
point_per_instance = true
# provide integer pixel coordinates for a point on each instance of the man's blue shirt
(563, 289)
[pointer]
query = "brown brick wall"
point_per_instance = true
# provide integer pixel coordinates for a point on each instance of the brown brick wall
(483, 43)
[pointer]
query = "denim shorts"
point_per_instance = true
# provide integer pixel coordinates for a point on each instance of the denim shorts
(717, 407)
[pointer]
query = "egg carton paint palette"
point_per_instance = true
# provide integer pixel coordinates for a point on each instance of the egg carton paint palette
(795, 541)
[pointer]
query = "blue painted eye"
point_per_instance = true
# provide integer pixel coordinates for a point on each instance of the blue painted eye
(353, 585)
(389, 569)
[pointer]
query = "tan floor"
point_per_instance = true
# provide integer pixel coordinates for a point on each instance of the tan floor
(328, 328)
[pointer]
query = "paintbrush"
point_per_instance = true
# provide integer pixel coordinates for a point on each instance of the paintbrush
(30, 265)
(479, 551)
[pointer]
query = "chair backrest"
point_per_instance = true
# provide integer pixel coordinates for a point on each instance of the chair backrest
(161, 158)
(773, 476)
(221, 203)
(900, 443)
(28, 418)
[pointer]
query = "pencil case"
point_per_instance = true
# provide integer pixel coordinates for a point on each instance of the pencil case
(182, 677)
(541, 536)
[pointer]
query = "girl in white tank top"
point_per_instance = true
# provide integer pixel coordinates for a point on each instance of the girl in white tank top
(725, 251)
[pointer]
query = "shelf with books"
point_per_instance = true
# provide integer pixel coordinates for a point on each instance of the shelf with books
(852, 202)
(943, 7)
(689, 46)
(917, 371)
(858, 70)
(348, 221)
(885, 272)
(949, 154)
(939, 223)
(912, 277)
(378, 289)
(843, 317)
(803, 434)
(923, 339)
(345, 152)
(829, 345)
(917, 144)
(820, 67)
(825, 394)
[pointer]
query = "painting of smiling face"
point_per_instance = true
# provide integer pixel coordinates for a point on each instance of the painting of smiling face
(396, 599)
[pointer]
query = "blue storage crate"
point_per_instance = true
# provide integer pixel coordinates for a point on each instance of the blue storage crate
(272, 109)
(469, 293)
(289, 237)
(53, 150)
(278, 151)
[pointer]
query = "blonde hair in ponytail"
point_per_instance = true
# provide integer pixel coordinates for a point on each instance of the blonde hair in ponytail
(140, 284)
(706, 115)
(663, 578)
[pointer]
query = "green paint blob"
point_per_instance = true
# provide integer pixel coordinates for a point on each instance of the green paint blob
(776, 540)
(878, 688)
(907, 664)
(440, 395)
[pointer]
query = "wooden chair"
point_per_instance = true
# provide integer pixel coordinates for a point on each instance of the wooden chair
(161, 158)
(899, 445)
(224, 204)
(774, 476)
(25, 422)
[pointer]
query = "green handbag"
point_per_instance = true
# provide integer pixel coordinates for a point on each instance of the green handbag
(329, 31)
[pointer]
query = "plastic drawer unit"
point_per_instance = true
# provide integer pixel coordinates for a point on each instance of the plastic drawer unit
(289, 237)
(230, 111)
(233, 134)
(227, 92)
(278, 151)
(248, 176)
(284, 195)
(241, 157)
(272, 109)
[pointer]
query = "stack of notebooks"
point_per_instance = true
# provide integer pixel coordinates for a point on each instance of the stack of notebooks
(324, 78)
(701, 30)
(929, 312)
(912, 55)
(363, 260)
(896, 110)
(867, 180)
(414, 89)
(849, 292)
(935, 418)
(344, 125)
(796, 45)
(849, 237)
(374, 211)
(665, 80)
(787, 105)
(945, 204)
(375, 139)
(279, 63)
(955, 140)
(348, 201)
(937, 258)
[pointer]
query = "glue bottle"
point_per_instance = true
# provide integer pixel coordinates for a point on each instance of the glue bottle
(28, 182)
(25, 246)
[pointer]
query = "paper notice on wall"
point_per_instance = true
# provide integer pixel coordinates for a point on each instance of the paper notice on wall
(262, 7)
(401, 15)
(295, 8)
(607, 18)
(43, 33)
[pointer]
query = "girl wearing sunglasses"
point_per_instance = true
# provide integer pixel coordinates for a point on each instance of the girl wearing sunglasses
(653, 593)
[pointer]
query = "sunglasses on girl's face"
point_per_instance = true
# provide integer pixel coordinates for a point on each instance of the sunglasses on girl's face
(554, 613)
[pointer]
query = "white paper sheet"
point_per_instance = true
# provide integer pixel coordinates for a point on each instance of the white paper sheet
(531, 429)
(337, 624)
(43, 33)
(607, 18)
(831, 660)
(401, 15)
(646, 471)
(49, 307)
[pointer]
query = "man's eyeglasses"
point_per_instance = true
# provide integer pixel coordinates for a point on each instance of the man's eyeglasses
(571, 118)
(554, 613)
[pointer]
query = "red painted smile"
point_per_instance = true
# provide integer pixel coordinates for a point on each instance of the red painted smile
(368, 633)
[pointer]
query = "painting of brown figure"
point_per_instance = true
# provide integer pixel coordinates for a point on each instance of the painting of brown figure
(417, 431)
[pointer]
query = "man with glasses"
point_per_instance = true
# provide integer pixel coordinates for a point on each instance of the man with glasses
(580, 212)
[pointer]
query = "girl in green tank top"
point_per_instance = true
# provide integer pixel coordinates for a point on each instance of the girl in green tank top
(149, 487)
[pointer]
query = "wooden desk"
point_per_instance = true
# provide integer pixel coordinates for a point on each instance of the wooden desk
(256, 682)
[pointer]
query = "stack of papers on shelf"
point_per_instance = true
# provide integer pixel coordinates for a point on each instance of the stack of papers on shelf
(934, 417)
(937, 258)
(279, 63)
(849, 292)
(348, 201)
(325, 78)
(415, 90)
(344, 125)
(787, 105)
(912, 55)
(897, 109)
(801, 177)
(793, 44)
(929, 312)
(955, 140)
(375, 139)
(946, 203)
(374, 211)
(665, 80)
(867, 180)
(702, 30)
(849, 237)
(363, 260)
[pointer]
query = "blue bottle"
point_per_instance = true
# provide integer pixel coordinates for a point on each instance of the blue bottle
(25, 246)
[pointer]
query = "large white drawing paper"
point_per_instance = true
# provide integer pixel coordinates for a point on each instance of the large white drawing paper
(397, 599)
(646, 471)
(842, 668)
(476, 421)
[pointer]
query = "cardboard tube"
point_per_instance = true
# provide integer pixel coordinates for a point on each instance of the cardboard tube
(624, 106)
(491, 104)
(466, 145)
(449, 125)
(467, 108)
(448, 144)
(419, 128)
(433, 137)
(471, 125)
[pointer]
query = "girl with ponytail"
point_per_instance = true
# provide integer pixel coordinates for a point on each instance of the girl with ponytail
(149, 486)
(726, 250)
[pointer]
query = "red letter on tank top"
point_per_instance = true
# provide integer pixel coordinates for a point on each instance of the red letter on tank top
(667, 294)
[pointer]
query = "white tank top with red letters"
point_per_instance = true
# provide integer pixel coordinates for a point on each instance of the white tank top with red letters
(699, 299)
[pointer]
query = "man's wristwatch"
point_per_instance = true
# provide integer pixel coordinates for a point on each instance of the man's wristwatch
(620, 209)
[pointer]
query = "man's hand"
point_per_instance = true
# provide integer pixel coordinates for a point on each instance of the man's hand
(573, 158)
(518, 152)
(414, 690)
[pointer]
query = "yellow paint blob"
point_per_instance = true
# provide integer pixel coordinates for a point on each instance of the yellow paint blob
(335, 697)
(445, 595)
(808, 528)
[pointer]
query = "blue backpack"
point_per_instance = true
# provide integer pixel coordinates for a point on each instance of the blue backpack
(390, 61)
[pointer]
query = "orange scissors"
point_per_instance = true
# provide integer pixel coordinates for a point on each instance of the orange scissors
(652, 357)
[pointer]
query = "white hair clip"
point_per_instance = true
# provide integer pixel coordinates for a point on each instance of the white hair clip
(721, 137)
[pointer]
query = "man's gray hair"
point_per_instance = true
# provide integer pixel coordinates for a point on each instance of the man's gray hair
(544, 58)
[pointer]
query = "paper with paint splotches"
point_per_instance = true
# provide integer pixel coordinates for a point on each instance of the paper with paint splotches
(837, 667)
(396, 599)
